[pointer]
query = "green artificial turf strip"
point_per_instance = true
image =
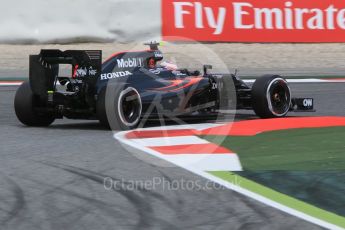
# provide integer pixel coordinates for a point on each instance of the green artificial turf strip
(296, 149)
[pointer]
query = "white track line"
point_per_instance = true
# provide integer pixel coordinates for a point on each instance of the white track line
(10, 83)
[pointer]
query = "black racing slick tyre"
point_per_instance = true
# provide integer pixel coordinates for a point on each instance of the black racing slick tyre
(24, 107)
(271, 96)
(119, 107)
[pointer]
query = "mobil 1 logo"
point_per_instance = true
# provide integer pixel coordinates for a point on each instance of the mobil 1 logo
(130, 62)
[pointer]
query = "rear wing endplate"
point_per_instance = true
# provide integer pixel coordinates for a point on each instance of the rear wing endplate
(44, 67)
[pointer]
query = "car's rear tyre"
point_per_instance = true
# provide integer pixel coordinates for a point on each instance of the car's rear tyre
(119, 107)
(271, 96)
(24, 108)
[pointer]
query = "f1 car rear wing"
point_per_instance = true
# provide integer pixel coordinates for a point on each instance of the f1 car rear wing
(44, 67)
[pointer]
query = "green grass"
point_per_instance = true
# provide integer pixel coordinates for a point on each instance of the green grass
(298, 149)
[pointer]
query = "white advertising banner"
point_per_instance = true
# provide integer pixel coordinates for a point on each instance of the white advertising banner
(35, 21)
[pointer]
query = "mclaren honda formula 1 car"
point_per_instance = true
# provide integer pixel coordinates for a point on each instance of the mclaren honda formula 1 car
(131, 86)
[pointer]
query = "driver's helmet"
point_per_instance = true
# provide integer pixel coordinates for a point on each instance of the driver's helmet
(151, 63)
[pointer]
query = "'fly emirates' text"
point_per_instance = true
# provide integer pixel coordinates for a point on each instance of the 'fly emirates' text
(247, 16)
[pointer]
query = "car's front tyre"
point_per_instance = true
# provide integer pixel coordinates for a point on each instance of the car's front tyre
(271, 96)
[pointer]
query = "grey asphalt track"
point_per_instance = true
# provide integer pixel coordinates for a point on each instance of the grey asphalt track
(52, 178)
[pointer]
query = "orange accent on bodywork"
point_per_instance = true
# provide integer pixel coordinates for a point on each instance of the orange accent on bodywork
(174, 83)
